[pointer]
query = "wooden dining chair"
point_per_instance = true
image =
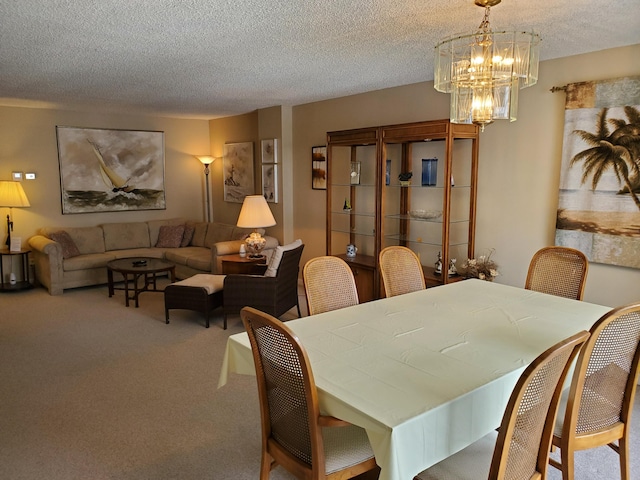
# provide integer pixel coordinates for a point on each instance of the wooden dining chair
(294, 433)
(560, 271)
(328, 284)
(401, 271)
(521, 445)
(596, 409)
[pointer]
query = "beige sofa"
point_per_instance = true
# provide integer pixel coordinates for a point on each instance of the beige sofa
(88, 249)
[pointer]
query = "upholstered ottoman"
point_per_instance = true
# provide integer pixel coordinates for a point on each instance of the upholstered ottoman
(201, 293)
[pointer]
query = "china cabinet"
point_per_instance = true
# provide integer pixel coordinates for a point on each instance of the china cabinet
(371, 204)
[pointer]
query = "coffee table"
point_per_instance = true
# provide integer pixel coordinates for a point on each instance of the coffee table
(134, 268)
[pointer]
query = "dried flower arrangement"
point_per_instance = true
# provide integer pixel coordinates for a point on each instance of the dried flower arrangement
(483, 268)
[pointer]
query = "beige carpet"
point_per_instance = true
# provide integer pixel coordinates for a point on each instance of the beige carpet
(90, 389)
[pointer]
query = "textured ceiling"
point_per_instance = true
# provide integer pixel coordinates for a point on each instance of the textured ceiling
(211, 58)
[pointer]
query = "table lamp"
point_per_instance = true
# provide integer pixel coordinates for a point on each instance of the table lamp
(12, 195)
(255, 213)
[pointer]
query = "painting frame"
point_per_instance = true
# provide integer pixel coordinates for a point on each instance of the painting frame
(270, 182)
(269, 150)
(238, 171)
(599, 196)
(319, 167)
(110, 170)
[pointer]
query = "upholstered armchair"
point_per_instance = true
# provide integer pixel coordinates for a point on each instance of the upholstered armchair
(274, 293)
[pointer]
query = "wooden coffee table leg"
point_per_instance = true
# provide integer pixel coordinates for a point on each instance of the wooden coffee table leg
(110, 281)
(126, 288)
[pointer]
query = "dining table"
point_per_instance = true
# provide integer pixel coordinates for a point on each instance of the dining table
(430, 372)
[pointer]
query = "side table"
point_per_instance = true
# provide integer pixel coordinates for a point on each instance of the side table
(233, 264)
(23, 284)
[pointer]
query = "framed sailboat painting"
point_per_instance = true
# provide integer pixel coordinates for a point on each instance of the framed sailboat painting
(103, 170)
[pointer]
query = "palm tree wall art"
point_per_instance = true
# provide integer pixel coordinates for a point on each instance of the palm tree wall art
(599, 200)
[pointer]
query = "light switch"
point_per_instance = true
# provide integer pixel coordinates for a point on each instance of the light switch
(30, 176)
(17, 176)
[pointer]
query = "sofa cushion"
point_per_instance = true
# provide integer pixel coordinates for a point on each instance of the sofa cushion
(120, 236)
(182, 256)
(69, 247)
(150, 252)
(154, 227)
(274, 263)
(187, 236)
(87, 239)
(218, 232)
(199, 234)
(86, 262)
(170, 236)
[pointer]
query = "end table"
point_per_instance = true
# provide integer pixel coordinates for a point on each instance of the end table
(234, 264)
(25, 282)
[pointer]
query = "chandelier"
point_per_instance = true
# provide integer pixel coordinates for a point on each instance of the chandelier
(484, 70)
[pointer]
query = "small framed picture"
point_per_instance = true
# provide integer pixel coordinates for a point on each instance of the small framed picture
(16, 244)
(429, 172)
(355, 173)
(269, 150)
(319, 168)
(270, 182)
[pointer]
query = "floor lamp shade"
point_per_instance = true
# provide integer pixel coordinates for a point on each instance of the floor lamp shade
(12, 195)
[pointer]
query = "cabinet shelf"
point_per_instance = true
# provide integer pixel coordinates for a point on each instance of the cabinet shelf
(419, 241)
(351, 212)
(354, 232)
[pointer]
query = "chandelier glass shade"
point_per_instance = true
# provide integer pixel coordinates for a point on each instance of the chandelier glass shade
(483, 71)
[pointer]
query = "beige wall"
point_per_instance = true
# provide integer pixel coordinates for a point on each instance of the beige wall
(519, 165)
(28, 144)
(237, 129)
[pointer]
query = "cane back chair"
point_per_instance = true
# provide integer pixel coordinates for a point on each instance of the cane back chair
(596, 410)
(329, 284)
(560, 271)
(522, 443)
(401, 271)
(294, 433)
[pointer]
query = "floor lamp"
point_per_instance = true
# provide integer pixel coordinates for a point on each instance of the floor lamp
(12, 195)
(206, 161)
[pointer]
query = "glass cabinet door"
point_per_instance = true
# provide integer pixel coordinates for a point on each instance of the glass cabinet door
(353, 198)
(433, 213)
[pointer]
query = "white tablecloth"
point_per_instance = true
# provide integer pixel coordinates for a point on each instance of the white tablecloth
(430, 372)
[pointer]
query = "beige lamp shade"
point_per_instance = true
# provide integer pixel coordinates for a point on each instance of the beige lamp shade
(12, 195)
(255, 213)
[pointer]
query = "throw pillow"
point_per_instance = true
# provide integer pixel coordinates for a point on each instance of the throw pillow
(69, 247)
(189, 230)
(170, 236)
(274, 263)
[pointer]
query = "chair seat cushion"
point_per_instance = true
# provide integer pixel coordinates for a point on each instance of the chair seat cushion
(276, 258)
(471, 463)
(344, 447)
(211, 283)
